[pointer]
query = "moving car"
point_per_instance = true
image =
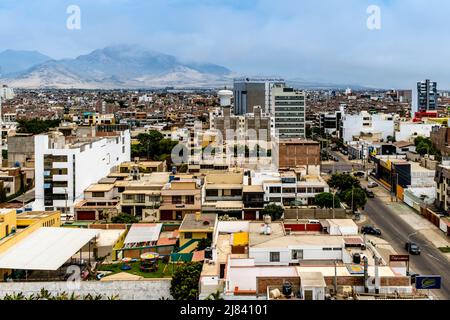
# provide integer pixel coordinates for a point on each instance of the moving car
(412, 248)
(371, 230)
(372, 184)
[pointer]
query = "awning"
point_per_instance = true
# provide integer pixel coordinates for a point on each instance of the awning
(46, 248)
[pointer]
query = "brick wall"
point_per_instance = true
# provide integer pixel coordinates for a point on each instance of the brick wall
(298, 154)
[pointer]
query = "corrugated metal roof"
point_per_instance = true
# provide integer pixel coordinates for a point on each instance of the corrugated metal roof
(143, 232)
(46, 248)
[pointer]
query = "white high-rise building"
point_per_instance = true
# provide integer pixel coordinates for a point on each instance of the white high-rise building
(65, 166)
(6, 93)
(288, 114)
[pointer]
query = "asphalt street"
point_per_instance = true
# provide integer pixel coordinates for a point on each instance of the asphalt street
(395, 230)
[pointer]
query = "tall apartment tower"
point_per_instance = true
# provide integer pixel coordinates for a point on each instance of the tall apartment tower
(250, 92)
(427, 96)
(66, 166)
(288, 114)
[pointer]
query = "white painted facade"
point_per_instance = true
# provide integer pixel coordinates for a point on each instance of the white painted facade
(408, 131)
(6, 93)
(86, 164)
(353, 125)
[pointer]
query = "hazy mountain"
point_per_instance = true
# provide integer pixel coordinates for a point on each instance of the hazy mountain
(13, 61)
(121, 66)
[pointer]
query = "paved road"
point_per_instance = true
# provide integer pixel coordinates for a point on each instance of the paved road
(342, 165)
(395, 230)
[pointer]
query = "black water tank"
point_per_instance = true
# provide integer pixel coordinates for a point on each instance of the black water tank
(287, 289)
(356, 258)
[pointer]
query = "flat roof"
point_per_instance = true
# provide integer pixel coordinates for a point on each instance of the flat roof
(143, 232)
(99, 187)
(342, 222)
(300, 240)
(229, 205)
(206, 222)
(253, 188)
(46, 248)
(312, 279)
(256, 237)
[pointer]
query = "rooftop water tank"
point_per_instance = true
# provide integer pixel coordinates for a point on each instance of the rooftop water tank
(225, 97)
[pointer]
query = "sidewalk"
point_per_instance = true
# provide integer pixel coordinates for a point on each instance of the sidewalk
(412, 218)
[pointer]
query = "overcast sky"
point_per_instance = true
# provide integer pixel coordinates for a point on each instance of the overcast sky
(316, 40)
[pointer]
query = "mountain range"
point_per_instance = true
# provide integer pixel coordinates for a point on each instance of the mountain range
(119, 66)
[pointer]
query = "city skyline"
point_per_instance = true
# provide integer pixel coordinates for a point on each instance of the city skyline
(327, 42)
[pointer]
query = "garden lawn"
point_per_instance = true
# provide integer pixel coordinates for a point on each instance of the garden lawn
(164, 270)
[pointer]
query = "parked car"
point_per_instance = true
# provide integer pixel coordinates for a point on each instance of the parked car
(359, 174)
(371, 230)
(412, 248)
(369, 193)
(372, 184)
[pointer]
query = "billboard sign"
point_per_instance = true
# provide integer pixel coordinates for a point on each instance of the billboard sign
(399, 257)
(428, 282)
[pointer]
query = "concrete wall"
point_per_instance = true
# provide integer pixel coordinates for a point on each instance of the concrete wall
(149, 289)
(314, 214)
(261, 256)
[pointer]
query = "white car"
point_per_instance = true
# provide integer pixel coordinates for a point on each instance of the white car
(372, 184)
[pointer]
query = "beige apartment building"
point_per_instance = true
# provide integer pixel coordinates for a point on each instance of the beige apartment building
(179, 198)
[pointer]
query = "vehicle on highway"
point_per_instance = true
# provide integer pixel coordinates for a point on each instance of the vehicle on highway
(369, 193)
(372, 184)
(350, 157)
(412, 248)
(371, 230)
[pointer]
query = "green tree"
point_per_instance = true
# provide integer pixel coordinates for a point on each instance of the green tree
(343, 181)
(124, 218)
(359, 198)
(153, 146)
(325, 200)
(274, 211)
(36, 126)
(214, 296)
(184, 284)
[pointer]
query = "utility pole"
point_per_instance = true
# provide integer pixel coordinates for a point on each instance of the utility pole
(335, 277)
(334, 217)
